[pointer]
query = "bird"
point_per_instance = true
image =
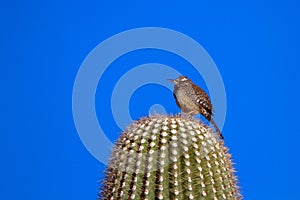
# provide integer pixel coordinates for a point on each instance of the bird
(192, 100)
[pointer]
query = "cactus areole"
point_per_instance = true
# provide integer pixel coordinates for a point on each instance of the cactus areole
(169, 157)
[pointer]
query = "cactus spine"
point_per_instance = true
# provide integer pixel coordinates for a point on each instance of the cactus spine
(169, 157)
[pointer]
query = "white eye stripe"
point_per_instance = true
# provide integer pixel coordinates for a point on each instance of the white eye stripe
(183, 79)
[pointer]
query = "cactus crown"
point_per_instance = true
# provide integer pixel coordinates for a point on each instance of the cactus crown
(169, 157)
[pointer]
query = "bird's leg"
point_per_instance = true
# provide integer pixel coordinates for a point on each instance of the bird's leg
(184, 115)
(188, 115)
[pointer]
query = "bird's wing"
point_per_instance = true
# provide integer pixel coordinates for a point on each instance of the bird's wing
(203, 100)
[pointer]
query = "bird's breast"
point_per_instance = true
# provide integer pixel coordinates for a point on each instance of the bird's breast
(186, 104)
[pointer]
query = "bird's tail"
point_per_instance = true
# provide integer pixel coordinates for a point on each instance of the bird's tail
(217, 128)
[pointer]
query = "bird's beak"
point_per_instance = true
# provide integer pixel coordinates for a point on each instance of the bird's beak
(171, 80)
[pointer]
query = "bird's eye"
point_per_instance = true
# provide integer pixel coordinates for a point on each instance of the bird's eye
(183, 79)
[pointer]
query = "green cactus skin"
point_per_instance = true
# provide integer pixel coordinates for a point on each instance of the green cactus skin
(169, 157)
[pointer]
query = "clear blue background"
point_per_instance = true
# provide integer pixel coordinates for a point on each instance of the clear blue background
(255, 45)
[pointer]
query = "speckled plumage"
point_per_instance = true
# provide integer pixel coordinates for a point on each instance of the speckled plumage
(192, 100)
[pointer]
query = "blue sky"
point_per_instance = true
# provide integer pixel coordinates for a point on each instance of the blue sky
(255, 45)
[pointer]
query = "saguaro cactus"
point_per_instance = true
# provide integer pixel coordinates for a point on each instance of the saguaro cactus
(169, 157)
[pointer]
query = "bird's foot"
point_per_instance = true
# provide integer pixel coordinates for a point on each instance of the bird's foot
(187, 116)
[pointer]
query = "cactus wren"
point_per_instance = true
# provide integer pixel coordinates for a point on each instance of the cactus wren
(192, 100)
